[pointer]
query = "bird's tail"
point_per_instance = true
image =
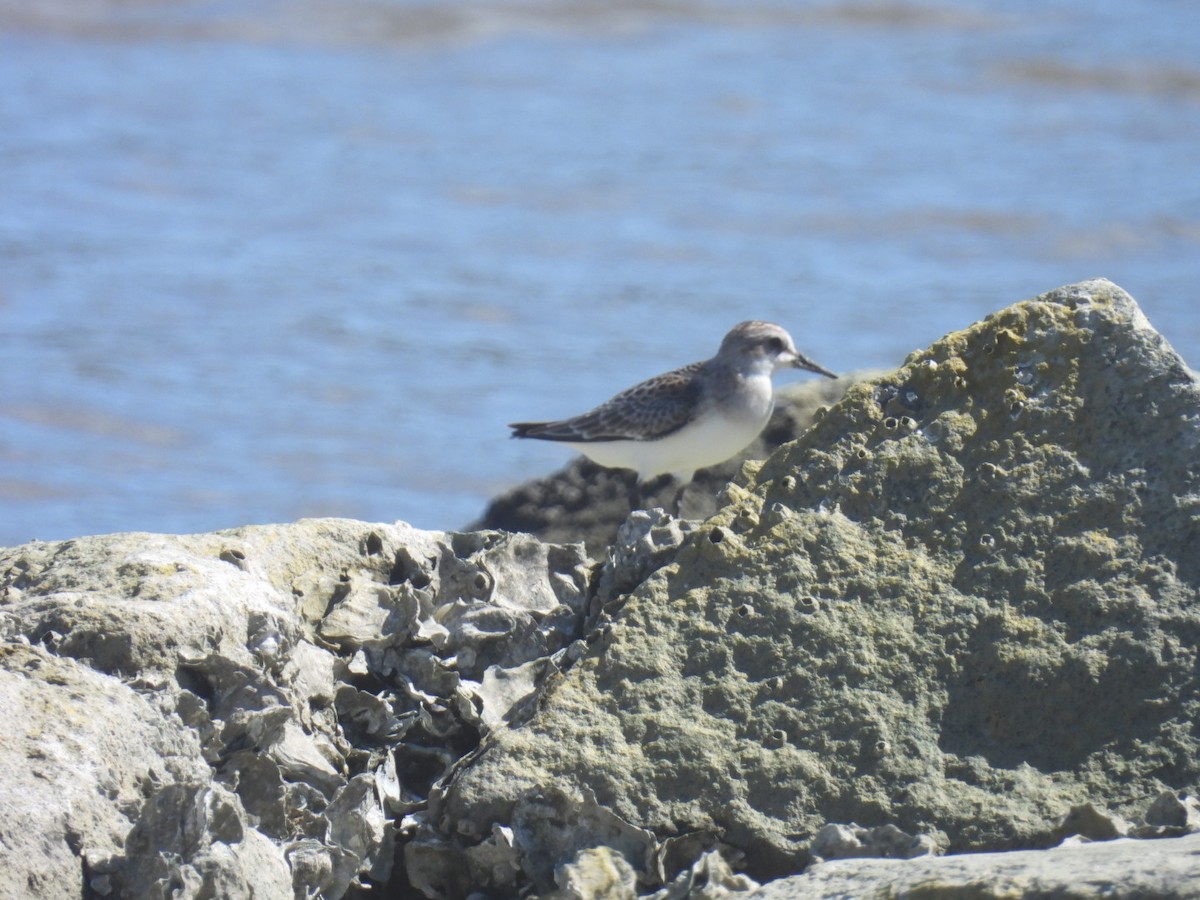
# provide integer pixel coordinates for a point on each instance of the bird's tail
(526, 429)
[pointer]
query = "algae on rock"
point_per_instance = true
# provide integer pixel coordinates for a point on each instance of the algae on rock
(966, 600)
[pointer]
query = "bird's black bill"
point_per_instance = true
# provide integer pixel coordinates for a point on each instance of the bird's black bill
(803, 362)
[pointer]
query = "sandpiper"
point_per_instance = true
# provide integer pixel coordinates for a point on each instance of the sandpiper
(688, 418)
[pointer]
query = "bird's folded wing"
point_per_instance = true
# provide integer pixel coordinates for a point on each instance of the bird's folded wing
(645, 412)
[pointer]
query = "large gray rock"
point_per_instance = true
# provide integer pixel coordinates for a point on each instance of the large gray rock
(966, 601)
(249, 713)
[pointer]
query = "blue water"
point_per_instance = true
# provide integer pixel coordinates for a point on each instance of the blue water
(262, 261)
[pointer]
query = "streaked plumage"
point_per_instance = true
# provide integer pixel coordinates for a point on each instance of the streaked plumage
(644, 412)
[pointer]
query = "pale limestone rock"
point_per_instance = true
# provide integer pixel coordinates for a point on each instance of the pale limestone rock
(242, 713)
(1167, 869)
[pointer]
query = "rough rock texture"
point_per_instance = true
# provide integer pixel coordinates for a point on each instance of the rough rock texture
(252, 713)
(962, 612)
(1130, 870)
(967, 600)
(585, 502)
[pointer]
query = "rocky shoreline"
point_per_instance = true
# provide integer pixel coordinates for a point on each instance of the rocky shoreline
(942, 643)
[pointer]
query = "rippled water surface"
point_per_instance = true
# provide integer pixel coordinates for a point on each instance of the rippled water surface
(264, 260)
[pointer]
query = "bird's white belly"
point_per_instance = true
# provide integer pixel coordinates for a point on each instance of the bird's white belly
(710, 440)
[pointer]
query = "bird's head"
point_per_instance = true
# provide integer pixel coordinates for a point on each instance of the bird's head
(766, 344)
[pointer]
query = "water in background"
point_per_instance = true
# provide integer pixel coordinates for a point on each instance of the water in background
(269, 260)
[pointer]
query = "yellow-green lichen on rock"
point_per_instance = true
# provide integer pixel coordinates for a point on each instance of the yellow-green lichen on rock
(964, 601)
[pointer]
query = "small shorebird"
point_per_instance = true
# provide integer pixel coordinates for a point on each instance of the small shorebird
(688, 418)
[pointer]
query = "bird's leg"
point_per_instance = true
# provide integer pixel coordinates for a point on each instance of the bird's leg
(643, 493)
(635, 494)
(677, 503)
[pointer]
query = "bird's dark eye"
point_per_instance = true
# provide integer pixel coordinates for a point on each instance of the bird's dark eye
(775, 345)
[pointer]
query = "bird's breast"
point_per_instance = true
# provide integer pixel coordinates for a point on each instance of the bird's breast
(749, 400)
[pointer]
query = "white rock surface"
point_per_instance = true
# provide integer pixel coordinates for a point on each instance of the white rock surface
(245, 713)
(1166, 869)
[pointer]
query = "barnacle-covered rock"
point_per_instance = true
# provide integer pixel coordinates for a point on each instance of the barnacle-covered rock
(835, 841)
(1174, 813)
(195, 840)
(965, 601)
